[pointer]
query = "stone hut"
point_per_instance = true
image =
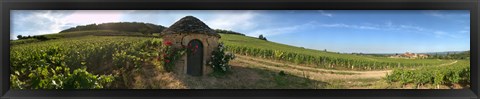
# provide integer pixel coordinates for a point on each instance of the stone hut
(192, 33)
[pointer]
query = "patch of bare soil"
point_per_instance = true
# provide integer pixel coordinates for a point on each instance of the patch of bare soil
(238, 78)
(149, 76)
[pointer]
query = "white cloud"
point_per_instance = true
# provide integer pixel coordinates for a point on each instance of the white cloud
(82, 17)
(388, 26)
(325, 13)
(232, 20)
(439, 33)
(409, 27)
(464, 32)
(437, 13)
(273, 31)
(53, 21)
(281, 30)
(37, 22)
(341, 25)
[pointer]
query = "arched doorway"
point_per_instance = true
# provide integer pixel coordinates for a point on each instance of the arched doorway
(195, 58)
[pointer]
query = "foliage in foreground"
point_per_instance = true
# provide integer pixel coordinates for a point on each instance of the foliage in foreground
(219, 60)
(440, 75)
(79, 63)
(171, 55)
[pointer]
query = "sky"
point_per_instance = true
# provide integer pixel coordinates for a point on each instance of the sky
(344, 31)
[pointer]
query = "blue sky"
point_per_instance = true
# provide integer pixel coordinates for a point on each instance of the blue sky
(345, 31)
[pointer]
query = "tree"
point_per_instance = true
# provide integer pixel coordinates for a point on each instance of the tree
(19, 37)
(143, 30)
(262, 37)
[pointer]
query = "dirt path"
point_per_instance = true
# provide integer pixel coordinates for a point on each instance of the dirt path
(315, 73)
(449, 63)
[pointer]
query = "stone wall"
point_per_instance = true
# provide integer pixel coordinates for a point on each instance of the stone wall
(209, 43)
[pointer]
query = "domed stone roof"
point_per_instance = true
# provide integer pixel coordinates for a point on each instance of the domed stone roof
(189, 24)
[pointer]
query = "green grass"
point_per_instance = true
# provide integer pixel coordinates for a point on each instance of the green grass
(24, 41)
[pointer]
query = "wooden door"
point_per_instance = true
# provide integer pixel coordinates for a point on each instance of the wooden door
(195, 58)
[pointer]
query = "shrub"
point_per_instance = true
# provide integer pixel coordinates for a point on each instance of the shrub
(219, 60)
(82, 79)
(282, 73)
(170, 55)
(262, 37)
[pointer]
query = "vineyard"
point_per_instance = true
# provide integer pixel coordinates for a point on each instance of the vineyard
(450, 74)
(254, 47)
(108, 60)
(80, 63)
(405, 71)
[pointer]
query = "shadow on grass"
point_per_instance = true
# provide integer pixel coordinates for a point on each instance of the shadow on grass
(244, 77)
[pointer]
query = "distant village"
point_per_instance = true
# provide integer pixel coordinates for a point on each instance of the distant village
(409, 55)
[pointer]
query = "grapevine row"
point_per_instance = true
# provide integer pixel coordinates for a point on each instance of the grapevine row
(79, 63)
(321, 61)
(439, 75)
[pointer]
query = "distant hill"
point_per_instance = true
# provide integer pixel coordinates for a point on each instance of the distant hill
(145, 28)
(35, 38)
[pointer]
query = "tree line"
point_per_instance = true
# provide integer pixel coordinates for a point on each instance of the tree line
(41, 37)
(462, 55)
